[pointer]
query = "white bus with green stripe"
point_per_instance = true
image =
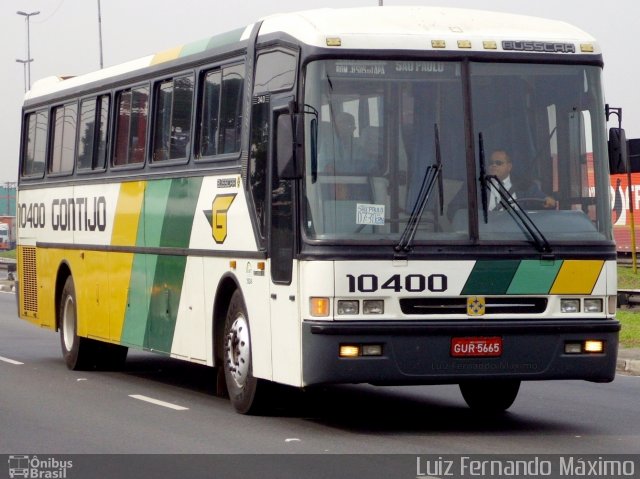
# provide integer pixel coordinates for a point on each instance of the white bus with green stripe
(310, 200)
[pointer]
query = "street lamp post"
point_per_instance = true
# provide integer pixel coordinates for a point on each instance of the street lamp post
(29, 59)
(100, 34)
(24, 70)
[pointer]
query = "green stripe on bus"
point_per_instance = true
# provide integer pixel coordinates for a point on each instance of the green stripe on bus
(194, 47)
(179, 212)
(165, 300)
(226, 38)
(168, 275)
(490, 277)
(156, 201)
(134, 330)
(534, 277)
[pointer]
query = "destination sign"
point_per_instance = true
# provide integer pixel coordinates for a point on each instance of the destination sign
(399, 69)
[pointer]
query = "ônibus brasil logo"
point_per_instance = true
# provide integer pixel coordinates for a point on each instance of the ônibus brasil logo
(33, 467)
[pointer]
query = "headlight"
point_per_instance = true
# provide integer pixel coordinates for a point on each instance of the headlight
(348, 307)
(373, 306)
(592, 305)
(570, 305)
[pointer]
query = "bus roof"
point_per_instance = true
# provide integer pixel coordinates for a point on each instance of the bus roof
(413, 27)
(386, 28)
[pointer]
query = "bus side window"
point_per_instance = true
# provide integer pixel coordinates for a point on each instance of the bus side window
(172, 122)
(64, 138)
(220, 121)
(92, 139)
(86, 138)
(131, 126)
(35, 143)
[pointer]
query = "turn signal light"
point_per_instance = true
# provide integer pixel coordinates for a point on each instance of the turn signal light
(319, 307)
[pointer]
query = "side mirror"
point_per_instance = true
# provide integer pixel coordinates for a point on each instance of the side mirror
(285, 154)
(618, 151)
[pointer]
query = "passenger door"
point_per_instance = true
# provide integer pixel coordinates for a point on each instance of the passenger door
(285, 323)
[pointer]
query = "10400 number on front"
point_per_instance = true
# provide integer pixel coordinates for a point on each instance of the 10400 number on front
(413, 283)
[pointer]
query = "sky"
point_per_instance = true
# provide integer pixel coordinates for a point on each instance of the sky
(65, 40)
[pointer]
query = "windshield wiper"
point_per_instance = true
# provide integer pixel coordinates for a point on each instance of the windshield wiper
(484, 187)
(313, 131)
(432, 173)
(519, 215)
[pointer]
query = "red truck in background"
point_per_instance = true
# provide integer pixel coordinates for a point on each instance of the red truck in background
(621, 194)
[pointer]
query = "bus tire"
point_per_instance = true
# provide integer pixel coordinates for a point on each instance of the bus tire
(247, 393)
(490, 396)
(78, 353)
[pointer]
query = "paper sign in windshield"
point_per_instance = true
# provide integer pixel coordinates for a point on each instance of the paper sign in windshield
(369, 214)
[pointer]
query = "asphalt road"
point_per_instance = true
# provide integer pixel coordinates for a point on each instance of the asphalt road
(44, 408)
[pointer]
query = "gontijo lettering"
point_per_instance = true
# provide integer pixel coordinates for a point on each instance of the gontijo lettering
(79, 214)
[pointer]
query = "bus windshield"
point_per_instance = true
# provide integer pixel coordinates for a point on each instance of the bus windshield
(371, 131)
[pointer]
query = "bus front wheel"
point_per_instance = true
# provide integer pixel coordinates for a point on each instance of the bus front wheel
(247, 393)
(490, 396)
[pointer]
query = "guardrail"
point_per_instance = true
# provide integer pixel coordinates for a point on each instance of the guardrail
(629, 297)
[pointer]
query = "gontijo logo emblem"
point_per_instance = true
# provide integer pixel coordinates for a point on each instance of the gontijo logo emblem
(217, 216)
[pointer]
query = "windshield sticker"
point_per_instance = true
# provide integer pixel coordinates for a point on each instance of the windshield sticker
(369, 214)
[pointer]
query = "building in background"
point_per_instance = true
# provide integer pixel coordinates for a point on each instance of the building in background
(8, 199)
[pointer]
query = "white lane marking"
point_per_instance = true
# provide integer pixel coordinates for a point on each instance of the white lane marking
(157, 402)
(10, 361)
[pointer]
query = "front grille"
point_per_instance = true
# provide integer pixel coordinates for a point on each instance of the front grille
(500, 305)
(29, 282)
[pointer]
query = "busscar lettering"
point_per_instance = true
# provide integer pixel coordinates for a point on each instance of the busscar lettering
(79, 214)
(542, 47)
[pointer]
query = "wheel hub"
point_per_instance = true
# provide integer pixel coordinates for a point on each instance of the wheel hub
(238, 350)
(68, 323)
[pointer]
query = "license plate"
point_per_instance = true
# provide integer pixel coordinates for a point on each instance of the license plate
(476, 347)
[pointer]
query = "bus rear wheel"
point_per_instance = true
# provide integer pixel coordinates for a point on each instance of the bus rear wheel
(490, 396)
(83, 353)
(76, 351)
(247, 393)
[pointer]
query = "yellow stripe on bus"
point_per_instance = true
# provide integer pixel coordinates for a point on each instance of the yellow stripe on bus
(125, 233)
(167, 55)
(577, 277)
(125, 224)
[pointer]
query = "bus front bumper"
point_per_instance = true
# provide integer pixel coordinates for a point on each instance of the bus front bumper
(421, 352)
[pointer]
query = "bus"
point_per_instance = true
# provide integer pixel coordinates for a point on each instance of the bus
(314, 199)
